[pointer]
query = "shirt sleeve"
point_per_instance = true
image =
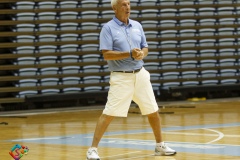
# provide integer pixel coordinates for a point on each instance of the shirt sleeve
(143, 40)
(106, 40)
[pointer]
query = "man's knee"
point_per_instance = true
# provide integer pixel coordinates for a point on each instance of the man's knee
(154, 114)
(106, 118)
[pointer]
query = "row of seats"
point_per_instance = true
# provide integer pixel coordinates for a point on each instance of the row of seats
(195, 74)
(190, 22)
(149, 34)
(154, 76)
(56, 59)
(94, 47)
(193, 53)
(98, 57)
(205, 63)
(54, 49)
(28, 27)
(134, 13)
(105, 79)
(194, 43)
(61, 81)
(95, 57)
(221, 65)
(200, 83)
(156, 87)
(76, 69)
(107, 3)
(23, 94)
(55, 38)
(149, 65)
(211, 62)
(193, 32)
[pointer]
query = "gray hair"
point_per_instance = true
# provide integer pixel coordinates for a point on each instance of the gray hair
(114, 2)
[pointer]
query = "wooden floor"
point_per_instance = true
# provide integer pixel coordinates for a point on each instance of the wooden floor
(204, 130)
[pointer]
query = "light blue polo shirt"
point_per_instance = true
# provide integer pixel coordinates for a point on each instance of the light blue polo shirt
(112, 37)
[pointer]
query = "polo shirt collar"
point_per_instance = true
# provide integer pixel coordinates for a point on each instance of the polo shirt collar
(121, 23)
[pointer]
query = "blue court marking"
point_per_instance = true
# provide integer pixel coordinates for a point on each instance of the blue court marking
(86, 139)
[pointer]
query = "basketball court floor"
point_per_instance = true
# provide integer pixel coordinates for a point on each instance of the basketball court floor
(202, 130)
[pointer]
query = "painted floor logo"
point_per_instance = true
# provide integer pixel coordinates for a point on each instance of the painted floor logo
(19, 150)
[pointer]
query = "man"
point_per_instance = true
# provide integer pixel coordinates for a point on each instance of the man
(123, 45)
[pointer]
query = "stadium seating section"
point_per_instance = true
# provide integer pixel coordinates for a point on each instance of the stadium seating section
(49, 50)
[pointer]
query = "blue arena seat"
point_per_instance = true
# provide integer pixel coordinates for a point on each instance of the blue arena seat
(69, 4)
(26, 72)
(69, 26)
(209, 73)
(92, 79)
(23, 94)
(149, 13)
(71, 80)
(47, 49)
(69, 37)
(71, 70)
(169, 54)
(25, 61)
(189, 74)
(89, 3)
(190, 83)
(49, 81)
(168, 33)
(47, 16)
(208, 63)
(188, 53)
(148, 2)
(208, 53)
(72, 90)
(187, 12)
(25, 27)
(49, 71)
(170, 75)
(47, 27)
(91, 58)
(47, 38)
(69, 59)
(187, 33)
(23, 5)
(47, 5)
(189, 64)
(24, 50)
(24, 39)
(25, 16)
(207, 32)
(69, 15)
(26, 83)
(50, 91)
(48, 60)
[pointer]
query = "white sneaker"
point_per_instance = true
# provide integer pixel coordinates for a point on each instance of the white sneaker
(164, 150)
(92, 154)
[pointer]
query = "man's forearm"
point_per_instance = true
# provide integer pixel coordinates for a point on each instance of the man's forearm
(115, 55)
(145, 51)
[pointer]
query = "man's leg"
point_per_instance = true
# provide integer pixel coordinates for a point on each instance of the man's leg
(102, 124)
(155, 122)
(161, 149)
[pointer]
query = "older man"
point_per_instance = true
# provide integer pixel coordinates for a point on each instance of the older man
(123, 45)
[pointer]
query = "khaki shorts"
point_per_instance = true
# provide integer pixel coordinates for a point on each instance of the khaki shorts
(125, 87)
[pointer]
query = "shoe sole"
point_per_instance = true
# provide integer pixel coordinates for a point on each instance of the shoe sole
(93, 159)
(165, 154)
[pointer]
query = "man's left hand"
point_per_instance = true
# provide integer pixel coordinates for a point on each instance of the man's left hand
(138, 54)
